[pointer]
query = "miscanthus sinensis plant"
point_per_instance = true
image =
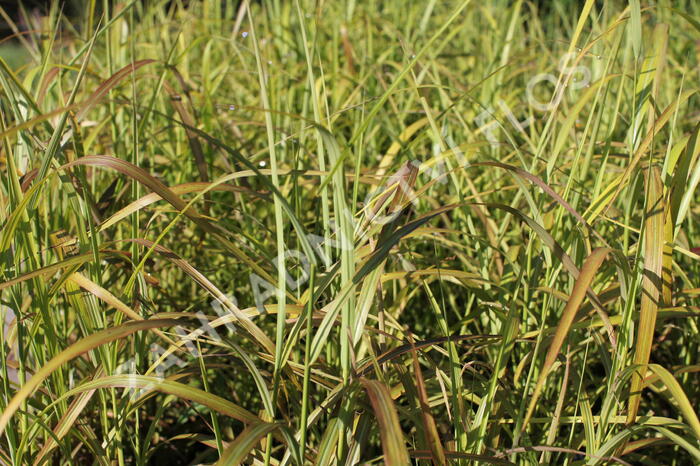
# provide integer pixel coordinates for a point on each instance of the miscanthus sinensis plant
(357, 232)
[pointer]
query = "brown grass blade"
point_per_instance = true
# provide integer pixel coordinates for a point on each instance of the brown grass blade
(188, 120)
(588, 271)
(105, 87)
(433, 437)
(393, 442)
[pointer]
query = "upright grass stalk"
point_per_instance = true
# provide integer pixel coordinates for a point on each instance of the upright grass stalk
(304, 417)
(161, 162)
(279, 221)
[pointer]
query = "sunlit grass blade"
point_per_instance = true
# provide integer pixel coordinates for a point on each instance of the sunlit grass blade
(73, 351)
(239, 449)
(651, 285)
(678, 395)
(180, 390)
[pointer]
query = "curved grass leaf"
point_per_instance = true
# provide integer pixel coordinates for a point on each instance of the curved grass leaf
(240, 448)
(73, 351)
(582, 284)
(393, 442)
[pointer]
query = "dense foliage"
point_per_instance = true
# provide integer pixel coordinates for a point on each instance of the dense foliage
(325, 232)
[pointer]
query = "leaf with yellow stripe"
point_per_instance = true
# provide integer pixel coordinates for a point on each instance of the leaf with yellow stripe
(651, 284)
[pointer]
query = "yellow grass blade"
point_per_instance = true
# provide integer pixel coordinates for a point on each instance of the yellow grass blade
(651, 285)
(679, 397)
